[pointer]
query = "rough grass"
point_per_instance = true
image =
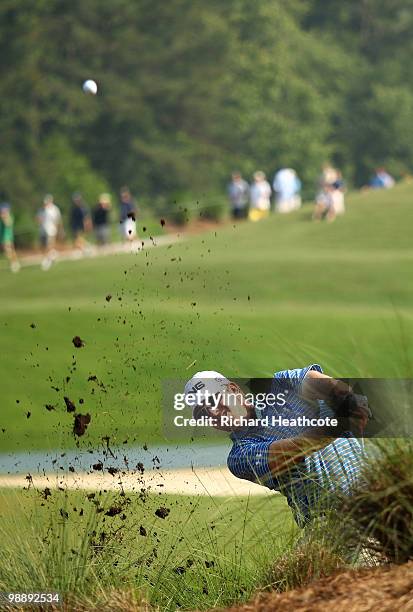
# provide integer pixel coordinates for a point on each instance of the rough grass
(246, 300)
(205, 552)
(303, 564)
(381, 512)
(372, 527)
(385, 588)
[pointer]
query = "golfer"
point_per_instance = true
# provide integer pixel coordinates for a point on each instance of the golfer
(304, 464)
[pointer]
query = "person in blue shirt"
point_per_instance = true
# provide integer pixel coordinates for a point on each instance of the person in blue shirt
(307, 465)
(238, 194)
(381, 179)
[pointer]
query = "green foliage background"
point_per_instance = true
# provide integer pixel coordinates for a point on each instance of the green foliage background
(189, 90)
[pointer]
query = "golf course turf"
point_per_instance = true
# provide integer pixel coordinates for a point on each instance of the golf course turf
(246, 300)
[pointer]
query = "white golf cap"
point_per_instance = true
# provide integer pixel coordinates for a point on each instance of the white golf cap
(205, 383)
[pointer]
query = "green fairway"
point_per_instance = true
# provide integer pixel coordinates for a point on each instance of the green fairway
(201, 552)
(244, 300)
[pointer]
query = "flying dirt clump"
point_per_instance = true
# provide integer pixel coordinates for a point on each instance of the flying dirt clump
(78, 342)
(70, 407)
(94, 378)
(162, 512)
(46, 493)
(113, 511)
(81, 423)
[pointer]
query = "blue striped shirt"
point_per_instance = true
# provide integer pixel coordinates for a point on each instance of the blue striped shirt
(334, 468)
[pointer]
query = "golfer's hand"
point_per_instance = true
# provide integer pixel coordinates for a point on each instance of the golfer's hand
(359, 415)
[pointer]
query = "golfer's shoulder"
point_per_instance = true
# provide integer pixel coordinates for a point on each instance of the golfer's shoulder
(295, 375)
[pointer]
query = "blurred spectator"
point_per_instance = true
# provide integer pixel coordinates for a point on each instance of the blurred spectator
(80, 221)
(127, 214)
(326, 180)
(287, 187)
(328, 176)
(338, 191)
(50, 222)
(101, 219)
(381, 179)
(260, 194)
(7, 236)
(238, 193)
(330, 200)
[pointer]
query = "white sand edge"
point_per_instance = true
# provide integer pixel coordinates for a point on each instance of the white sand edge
(197, 481)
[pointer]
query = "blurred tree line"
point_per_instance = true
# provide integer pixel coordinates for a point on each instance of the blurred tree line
(190, 90)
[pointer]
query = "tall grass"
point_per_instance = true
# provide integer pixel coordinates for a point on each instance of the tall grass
(381, 511)
(205, 553)
(372, 526)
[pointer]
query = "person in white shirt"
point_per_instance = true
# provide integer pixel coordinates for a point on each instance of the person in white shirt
(330, 201)
(260, 197)
(287, 188)
(49, 219)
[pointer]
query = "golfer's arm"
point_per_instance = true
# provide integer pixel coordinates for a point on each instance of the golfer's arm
(318, 386)
(285, 453)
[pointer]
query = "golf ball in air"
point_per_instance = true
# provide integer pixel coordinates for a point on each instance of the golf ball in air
(90, 87)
